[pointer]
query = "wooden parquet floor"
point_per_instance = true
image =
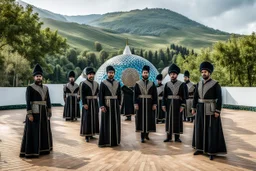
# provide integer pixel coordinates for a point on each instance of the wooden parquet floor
(71, 152)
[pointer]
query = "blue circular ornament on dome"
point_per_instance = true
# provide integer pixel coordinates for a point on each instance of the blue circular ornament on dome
(124, 61)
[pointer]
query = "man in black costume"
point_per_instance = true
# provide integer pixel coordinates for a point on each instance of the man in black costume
(145, 103)
(191, 88)
(90, 115)
(127, 102)
(174, 102)
(110, 99)
(160, 114)
(37, 137)
(208, 135)
(71, 98)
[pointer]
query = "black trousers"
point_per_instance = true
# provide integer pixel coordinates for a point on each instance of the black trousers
(169, 137)
(143, 135)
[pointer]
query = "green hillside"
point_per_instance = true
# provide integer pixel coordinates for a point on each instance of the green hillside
(84, 36)
(151, 22)
(146, 29)
(83, 19)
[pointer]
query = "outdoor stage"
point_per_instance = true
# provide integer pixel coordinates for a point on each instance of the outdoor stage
(70, 151)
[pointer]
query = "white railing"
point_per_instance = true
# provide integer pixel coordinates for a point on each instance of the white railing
(245, 96)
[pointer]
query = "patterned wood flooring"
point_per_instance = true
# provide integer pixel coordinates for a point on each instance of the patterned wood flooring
(71, 152)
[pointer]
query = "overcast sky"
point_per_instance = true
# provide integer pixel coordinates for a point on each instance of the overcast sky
(234, 16)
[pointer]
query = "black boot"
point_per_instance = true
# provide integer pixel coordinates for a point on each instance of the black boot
(211, 157)
(177, 138)
(147, 138)
(142, 137)
(191, 119)
(168, 138)
(128, 118)
(87, 139)
(197, 152)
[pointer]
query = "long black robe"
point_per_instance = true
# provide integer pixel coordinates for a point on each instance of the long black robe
(37, 137)
(189, 101)
(145, 96)
(174, 98)
(160, 114)
(90, 117)
(208, 134)
(110, 98)
(72, 96)
(127, 101)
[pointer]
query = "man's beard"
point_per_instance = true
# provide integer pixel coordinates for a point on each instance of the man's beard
(38, 82)
(205, 77)
(91, 78)
(110, 77)
(145, 77)
(173, 78)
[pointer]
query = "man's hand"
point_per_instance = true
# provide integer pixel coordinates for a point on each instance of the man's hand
(164, 108)
(193, 112)
(154, 107)
(103, 109)
(31, 118)
(86, 107)
(120, 107)
(136, 107)
(181, 109)
(216, 115)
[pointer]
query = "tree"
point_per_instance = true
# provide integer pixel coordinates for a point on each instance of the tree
(162, 56)
(120, 52)
(21, 30)
(168, 54)
(17, 68)
(141, 52)
(146, 54)
(81, 62)
(248, 56)
(155, 58)
(132, 51)
(57, 74)
(92, 59)
(72, 56)
(161, 65)
(227, 55)
(98, 46)
(78, 71)
(150, 56)
(103, 56)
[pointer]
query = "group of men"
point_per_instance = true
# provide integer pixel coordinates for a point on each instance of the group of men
(151, 103)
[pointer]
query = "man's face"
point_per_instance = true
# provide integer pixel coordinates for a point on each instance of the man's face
(111, 75)
(90, 76)
(145, 75)
(205, 74)
(71, 79)
(186, 79)
(38, 78)
(159, 82)
(173, 76)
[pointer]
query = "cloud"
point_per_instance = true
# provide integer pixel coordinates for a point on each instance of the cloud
(236, 16)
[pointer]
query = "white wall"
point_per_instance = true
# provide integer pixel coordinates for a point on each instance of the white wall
(16, 95)
(245, 96)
